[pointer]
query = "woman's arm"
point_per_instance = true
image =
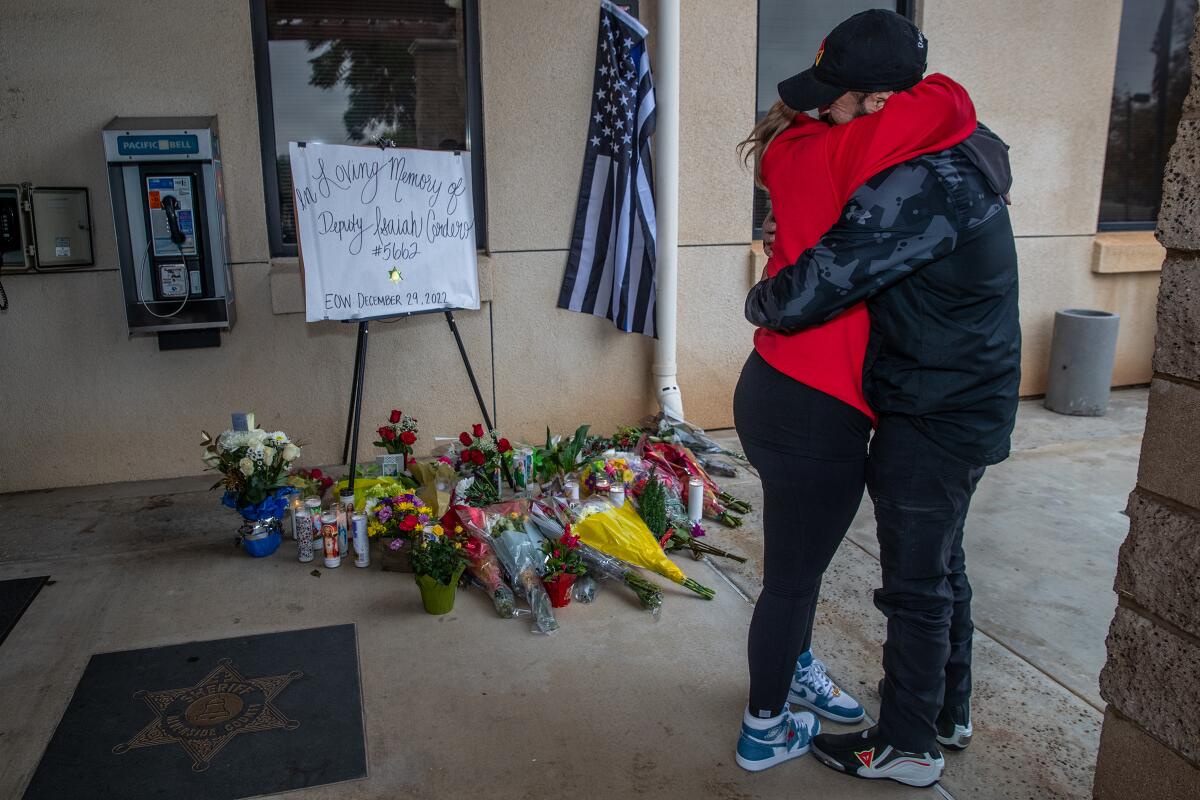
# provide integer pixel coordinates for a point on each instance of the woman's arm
(935, 114)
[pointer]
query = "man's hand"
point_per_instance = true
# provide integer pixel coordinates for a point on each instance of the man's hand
(768, 233)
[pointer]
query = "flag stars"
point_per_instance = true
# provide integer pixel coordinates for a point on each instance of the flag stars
(595, 141)
(626, 139)
(599, 94)
(607, 131)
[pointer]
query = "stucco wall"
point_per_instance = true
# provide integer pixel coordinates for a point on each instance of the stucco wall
(1041, 76)
(83, 403)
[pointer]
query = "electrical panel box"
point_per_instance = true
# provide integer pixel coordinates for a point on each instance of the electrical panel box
(44, 229)
(164, 177)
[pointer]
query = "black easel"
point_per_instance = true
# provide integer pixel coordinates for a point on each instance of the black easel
(354, 414)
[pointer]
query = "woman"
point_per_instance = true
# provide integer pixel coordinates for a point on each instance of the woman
(799, 406)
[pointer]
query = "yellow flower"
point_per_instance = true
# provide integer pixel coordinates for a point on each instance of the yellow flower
(458, 528)
(458, 545)
(437, 529)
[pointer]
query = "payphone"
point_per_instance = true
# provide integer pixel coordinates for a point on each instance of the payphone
(164, 178)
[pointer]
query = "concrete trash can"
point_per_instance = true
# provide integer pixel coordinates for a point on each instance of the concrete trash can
(1082, 352)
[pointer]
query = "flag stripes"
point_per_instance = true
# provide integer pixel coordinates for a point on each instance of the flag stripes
(610, 267)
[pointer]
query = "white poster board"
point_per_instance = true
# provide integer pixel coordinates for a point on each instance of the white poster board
(383, 232)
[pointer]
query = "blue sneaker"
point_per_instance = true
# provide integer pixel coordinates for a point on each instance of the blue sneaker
(789, 738)
(812, 689)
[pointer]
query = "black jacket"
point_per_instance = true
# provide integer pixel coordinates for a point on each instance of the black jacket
(928, 244)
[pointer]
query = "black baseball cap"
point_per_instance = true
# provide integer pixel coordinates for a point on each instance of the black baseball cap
(873, 51)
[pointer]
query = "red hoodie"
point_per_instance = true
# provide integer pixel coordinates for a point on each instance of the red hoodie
(811, 170)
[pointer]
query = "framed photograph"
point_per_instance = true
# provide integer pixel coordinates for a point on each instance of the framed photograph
(390, 464)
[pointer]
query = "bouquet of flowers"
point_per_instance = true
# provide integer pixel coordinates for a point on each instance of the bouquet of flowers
(254, 466)
(482, 564)
(398, 435)
(620, 532)
(665, 516)
(519, 550)
(402, 519)
(547, 519)
(679, 461)
(616, 468)
(310, 482)
(485, 455)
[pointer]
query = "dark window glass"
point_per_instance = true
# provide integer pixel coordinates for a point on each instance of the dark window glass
(1152, 79)
(789, 33)
(351, 73)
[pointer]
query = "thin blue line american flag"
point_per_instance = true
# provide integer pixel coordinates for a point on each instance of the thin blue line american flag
(610, 267)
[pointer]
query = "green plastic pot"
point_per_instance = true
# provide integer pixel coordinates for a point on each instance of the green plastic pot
(438, 598)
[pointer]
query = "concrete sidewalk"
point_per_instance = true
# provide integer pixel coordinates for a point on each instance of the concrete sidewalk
(614, 704)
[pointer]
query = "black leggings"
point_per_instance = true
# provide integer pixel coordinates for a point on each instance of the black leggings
(810, 450)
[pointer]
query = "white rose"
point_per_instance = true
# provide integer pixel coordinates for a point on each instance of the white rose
(268, 455)
(290, 452)
(246, 466)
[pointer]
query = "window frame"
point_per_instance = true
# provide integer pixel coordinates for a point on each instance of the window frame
(905, 8)
(268, 143)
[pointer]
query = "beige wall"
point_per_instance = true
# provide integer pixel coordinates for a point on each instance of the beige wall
(83, 403)
(1041, 76)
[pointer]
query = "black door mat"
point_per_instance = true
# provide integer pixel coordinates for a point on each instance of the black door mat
(218, 720)
(15, 597)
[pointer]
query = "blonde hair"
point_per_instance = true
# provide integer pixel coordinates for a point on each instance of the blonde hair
(777, 119)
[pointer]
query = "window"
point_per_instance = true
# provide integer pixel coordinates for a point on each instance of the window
(1152, 79)
(347, 73)
(789, 32)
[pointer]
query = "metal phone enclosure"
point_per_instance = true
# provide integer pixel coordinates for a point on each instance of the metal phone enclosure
(168, 205)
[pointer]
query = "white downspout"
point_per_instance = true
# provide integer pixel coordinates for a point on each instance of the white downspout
(666, 180)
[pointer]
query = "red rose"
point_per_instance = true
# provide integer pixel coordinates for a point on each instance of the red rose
(395, 417)
(477, 429)
(465, 438)
(477, 457)
(327, 482)
(408, 523)
(388, 433)
(315, 474)
(504, 445)
(408, 437)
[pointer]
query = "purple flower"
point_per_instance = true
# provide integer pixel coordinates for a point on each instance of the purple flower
(383, 514)
(697, 530)
(395, 544)
(424, 518)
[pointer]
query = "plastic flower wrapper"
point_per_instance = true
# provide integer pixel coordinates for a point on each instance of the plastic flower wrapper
(436, 480)
(368, 489)
(520, 553)
(693, 437)
(598, 563)
(584, 590)
(621, 532)
(663, 512)
(680, 461)
(482, 564)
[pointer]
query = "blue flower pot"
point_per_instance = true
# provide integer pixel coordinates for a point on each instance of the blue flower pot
(260, 538)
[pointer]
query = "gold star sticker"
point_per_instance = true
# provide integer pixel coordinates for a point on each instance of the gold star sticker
(394, 275)
(203, 718)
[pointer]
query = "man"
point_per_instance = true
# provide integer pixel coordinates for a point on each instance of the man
(928, 244)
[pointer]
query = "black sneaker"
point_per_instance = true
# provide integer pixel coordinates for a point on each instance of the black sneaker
(865, 755)
(954, 726)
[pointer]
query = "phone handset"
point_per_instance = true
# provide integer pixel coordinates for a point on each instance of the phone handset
(170, 206)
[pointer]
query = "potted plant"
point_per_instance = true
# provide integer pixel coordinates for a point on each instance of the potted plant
(396, 437)
(438, 561)
(564, 563)
(254, 468)
(398, 521)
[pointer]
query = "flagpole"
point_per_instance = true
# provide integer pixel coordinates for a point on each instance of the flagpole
(666, 180)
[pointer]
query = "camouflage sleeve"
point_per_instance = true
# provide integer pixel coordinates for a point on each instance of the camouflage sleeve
(897, 222)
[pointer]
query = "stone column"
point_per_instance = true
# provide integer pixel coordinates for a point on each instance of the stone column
(1150, 743)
